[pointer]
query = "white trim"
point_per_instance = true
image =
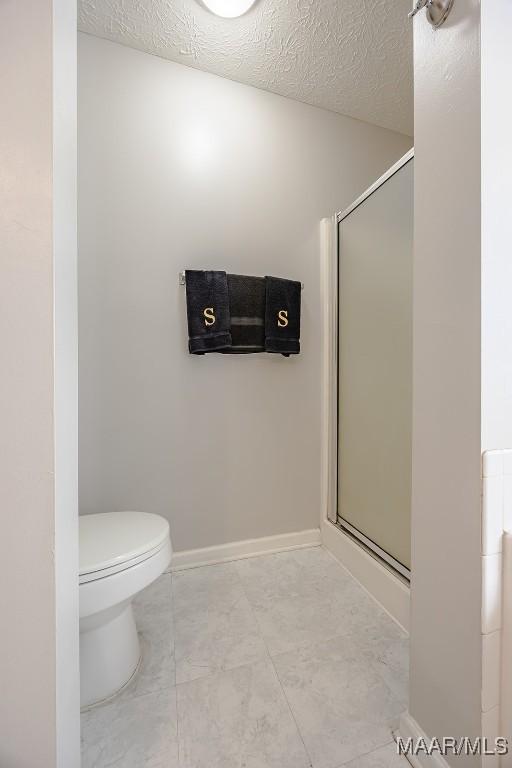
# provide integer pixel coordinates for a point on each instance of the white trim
(386, 588)
(63, 97)
(409, 729)
(380, 181)
(329, 301)
(237, 550)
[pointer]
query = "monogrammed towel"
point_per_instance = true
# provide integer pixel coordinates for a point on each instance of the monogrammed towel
(207, 311)
(282, 316)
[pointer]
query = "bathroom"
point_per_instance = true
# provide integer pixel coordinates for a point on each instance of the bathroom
(252, 526)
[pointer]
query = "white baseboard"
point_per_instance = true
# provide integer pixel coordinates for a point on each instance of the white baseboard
(409, 728)
(386, 588)
(237, 550)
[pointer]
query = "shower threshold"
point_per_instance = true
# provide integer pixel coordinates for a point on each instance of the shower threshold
(373, 549)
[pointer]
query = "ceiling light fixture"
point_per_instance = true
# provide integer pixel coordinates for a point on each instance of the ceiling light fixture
(229, 9)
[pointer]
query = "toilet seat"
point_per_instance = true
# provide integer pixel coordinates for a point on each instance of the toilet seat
(112, 542)
(101, 573)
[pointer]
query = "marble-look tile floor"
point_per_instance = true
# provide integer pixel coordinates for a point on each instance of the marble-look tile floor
(279, 661)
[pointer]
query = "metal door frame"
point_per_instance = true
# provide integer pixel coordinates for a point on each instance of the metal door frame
(370, 546)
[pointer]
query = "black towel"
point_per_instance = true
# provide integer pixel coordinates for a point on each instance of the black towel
(207, 311)
(247, 310)
(282, 316)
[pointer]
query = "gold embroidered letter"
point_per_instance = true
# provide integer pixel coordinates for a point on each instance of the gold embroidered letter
(282, 318)
(209, 317)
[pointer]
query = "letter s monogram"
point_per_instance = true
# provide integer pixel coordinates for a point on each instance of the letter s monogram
(209, 317)
(282, 318)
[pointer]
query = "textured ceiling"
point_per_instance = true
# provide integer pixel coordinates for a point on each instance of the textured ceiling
(350, 56)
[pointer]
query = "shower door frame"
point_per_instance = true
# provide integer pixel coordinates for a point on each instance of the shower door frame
(332, 323)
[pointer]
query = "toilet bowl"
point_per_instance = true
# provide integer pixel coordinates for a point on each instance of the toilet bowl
(120, 554)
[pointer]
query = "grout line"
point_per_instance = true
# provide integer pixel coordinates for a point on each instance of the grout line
(383, 681)
(379, 604)
(175, 672)
(276, 674)
(271, 659)
(396, 733)
(248, 664)
(177, 726)
(290, 709)
(365, 754)
(173, 616)
(216, 672)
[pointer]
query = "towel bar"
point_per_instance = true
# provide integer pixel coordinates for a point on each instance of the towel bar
(181, 276)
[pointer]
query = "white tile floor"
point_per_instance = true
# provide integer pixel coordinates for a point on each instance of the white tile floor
(280, 661)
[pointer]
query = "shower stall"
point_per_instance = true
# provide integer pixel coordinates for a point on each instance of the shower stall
(372, 494)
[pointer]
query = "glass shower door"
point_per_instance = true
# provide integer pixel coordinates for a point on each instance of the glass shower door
(375, 368)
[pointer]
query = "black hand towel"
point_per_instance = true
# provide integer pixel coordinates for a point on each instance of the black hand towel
(247, 310)
(282, 316)
(207, 311)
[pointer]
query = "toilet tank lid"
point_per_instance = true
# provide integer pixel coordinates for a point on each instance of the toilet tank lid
(110, 538)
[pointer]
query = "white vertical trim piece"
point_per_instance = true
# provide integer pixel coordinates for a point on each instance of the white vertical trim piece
(492, 514)
(507, 501)
(65, 406)
(329, 301)
(491, 592)
(491, 670)
(507, 461)
(386, 588)
(491, 731)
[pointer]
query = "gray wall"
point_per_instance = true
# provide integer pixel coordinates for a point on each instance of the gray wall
(178, 168)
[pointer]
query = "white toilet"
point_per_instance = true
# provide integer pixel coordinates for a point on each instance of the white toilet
(120, 554)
